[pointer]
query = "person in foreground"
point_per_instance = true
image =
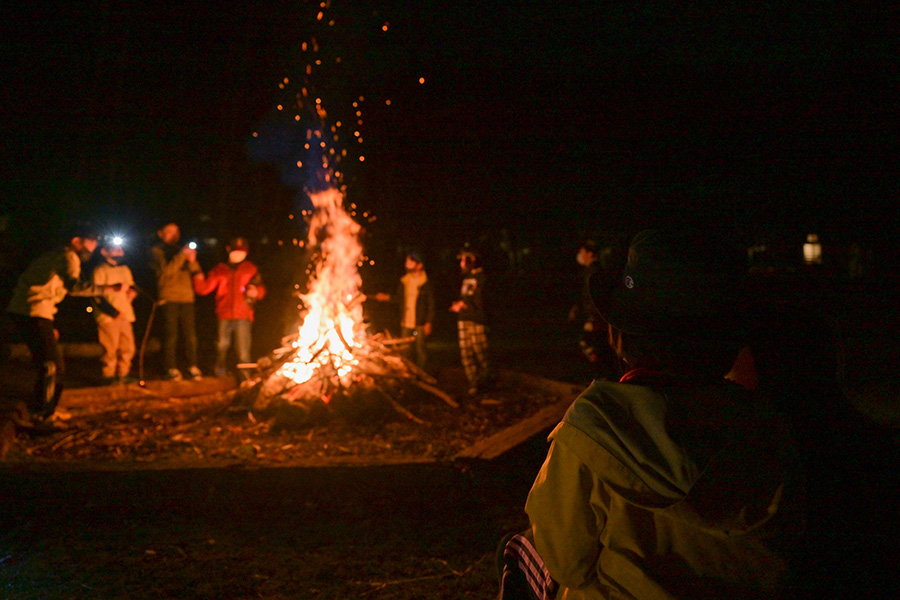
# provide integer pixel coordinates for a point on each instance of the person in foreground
(673, 482)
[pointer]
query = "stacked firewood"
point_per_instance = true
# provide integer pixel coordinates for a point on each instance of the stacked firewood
(379, 375)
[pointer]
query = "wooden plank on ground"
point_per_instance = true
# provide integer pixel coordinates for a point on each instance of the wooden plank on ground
(153, 389)
(511, 437)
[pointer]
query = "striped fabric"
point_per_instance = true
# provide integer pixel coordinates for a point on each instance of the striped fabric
(473, 350)
(524, 575)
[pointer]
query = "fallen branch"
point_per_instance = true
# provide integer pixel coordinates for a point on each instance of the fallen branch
(437, 392)
(427, 378)
(399, 408)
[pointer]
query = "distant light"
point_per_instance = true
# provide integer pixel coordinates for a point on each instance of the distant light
(299, 163)
(385, 27)
(388, 102)
(421, 80)
(117, 240)
(89, 309)
(279, 107)
(812, 250)
(362, 159)
(192, 245)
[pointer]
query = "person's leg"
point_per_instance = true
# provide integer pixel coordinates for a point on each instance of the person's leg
(53, 370)
(29, 331)
(127, 349)
(242, 339)
(189, 331)
(523, 573)
(421, 351)
(226, 329)
(169, 314)
(108, 334)
(408, 332)
(478, 350)
(467, 356)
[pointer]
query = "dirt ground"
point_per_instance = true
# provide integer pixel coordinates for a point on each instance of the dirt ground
(165, 496)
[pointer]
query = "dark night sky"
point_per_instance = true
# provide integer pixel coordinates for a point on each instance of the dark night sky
(558, 119)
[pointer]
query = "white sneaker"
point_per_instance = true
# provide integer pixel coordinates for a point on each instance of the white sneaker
(173, 375)
(195, 373)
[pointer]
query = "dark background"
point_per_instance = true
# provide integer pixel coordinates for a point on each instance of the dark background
(537, 124)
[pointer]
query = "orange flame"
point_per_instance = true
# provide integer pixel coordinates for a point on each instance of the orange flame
(332, 327)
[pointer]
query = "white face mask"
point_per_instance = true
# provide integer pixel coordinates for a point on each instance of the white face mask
(236, 256)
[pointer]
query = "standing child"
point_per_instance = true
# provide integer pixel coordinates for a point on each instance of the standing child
(238, 286)
(415, 296)
(115, 315)
(469, 309)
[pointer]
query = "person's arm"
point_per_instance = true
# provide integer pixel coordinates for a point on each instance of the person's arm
(205, 285)
(75, 285)
(100, 301)
(428, 290)
(257, 282)
(565, 507)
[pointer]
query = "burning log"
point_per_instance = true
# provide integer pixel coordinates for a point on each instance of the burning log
(332, 362)
(377, 369)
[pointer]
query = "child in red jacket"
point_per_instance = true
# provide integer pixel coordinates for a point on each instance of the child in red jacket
(238, 286)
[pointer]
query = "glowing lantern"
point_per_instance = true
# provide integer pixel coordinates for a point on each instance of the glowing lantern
(812, 250)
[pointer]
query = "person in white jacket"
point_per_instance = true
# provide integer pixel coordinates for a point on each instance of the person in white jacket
(46, 281)
(115, 314)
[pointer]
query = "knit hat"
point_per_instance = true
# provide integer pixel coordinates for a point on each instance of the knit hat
(674, 283)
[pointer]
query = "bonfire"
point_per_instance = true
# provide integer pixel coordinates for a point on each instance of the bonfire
(332, 357)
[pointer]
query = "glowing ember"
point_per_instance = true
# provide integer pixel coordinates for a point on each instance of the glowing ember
(332, 328)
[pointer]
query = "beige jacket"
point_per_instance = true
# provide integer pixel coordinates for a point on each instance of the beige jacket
(44, 284)
(173, 274)
(116, 284)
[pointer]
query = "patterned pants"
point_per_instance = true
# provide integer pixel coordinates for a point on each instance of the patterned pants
(523, 574)
(473, 350)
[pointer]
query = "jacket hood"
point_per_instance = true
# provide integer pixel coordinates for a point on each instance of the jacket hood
(712, 456)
